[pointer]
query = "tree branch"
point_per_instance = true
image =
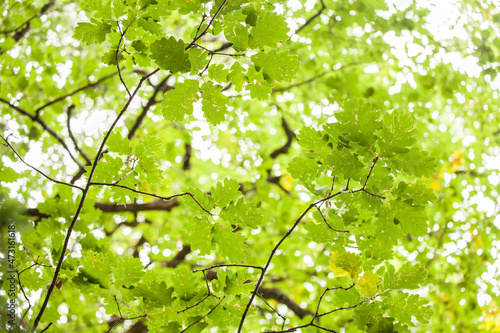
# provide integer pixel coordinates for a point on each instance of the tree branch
(37, 170)
(74, 92)
(82, 201)
(312, 18)
(45, 127)
(72, 137)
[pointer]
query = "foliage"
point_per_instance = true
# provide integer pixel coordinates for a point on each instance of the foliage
(231, 165)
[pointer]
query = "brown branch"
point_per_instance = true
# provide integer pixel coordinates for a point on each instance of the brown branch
(122, 35)
(312, 18)
(153, 194)
(179, 257)
(278, 295)
(82, 201)
(72, 137)
(115, 208)
(45, 127)
(290, 135)
(74, 92)
(187, 157)
(37, 170)
(27, 26)
(162, 86)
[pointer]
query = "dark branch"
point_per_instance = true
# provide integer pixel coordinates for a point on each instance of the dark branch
(82, 201)
(179, 257)
(74, 92)
(72, 137)
(37, 170)
(45, 127)
(312, 18)
(276, 294)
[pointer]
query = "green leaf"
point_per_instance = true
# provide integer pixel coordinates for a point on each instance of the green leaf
(413, 219)
(312, 139)
(184, 282)
(92, 32)
(231, 244)
(345, 264)
(408, 277)
(237, 77)
(169, 54)
(117, 144)
(218, 73)
(225, 192)
(240, 213)
(397, 134)
(403, 307)
(96, 268)
(127, 271)
(150, 26)
(235, 31)
(344, 163)
(259, 88)
(387, 231)
(198, 59)
(201, 235)
(214, 103)
(304, 169)
(278, 66)
(367, 284)
(101, 8)
(414, 162)
(179, 102)
(155, 294)
(269, 31)
(359, 123)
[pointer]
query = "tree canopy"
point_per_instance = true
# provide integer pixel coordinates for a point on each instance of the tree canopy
(249, 166)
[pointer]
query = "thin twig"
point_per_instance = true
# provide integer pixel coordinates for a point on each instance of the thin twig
(45, 127)
(153, 194)
(206, 29)
(74, 92)
(83, 198)
(209, 312)
(312, 18)
(72, 137)
(227, 265)
(122, 35)
(36, 169)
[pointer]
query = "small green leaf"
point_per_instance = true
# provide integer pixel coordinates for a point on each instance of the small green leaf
(237, 77)
(127, 271)
(269, 31)
(118, 144)
(214, 103)
(345, 264)
(367, 284)
(344, 163)
(92, 32)
(278, 66)
(231, 244)
(184, 282)
(179, 102)
(225, 192)
(169, 54)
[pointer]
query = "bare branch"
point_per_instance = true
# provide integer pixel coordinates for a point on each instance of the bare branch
(83, 198)
(197, 37)
(72, 137)
(312, 18)
(37, 170)
(153, 194)
(45, 127)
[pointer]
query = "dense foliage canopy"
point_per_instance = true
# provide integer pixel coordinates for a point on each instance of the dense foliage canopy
(249, 166)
